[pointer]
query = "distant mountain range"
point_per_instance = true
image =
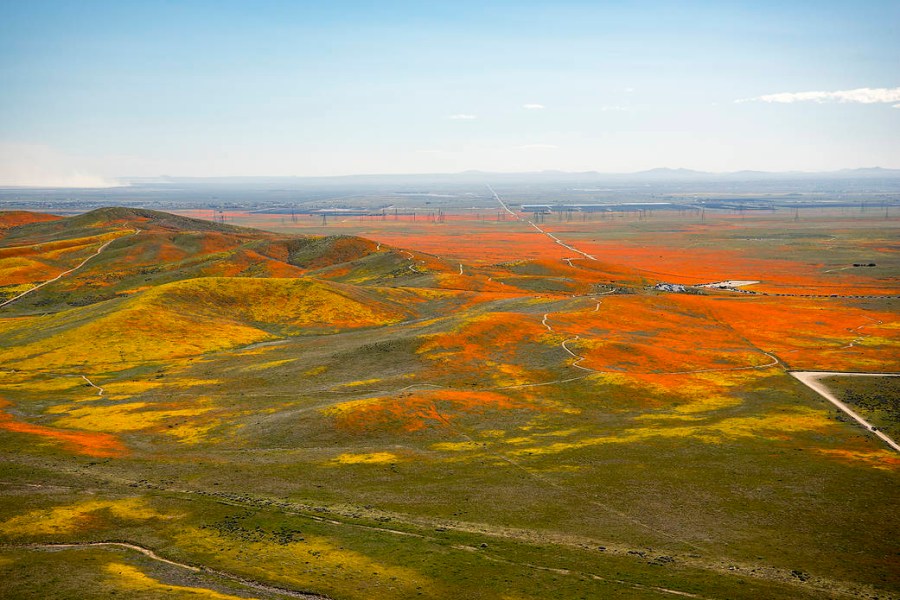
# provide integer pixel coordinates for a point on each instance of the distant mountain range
(674, 174)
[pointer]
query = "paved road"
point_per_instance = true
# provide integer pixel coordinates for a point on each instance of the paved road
(811, 380)
(547, 233)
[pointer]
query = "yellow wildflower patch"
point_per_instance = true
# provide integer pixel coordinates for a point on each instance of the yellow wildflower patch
(677, 416)
(14, 290)
(350, 458)
(771, 426)
(133, 416)
(457, 446)
(360, 382)
(129, 388)
(492, 433)
(68, 519)
(519, 440)
(191, 382)
(302, 564)
(52, 384)
(707, 403)
(132, 579)
(195, 316)
(269, 365)
(191, 433)
(558, 433)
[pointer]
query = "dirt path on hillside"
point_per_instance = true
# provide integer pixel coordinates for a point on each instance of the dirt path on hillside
(811, 380)
(578, 358)
(64, 273)
(93, 385)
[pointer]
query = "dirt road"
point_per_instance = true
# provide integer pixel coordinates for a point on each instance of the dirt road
(811, 380)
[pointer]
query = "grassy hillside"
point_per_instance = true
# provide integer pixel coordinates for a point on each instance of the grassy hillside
(16, 218)
(191, 317)
(147, 249)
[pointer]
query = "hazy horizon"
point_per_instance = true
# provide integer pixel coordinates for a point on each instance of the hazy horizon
(98, 92)
(660, 174)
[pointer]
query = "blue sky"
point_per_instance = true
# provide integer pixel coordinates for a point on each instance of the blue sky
(94, 90)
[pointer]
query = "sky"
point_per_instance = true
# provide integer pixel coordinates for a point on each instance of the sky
(91, 91)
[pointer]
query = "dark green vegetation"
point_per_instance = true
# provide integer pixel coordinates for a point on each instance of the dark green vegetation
(345, 418)
(876, 399)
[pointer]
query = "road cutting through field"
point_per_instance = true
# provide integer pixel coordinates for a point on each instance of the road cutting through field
(548, 234)
(811, 380)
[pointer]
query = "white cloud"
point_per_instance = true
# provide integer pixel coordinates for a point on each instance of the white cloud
(462, 117)
(36, 165)
(538, 147)
(628, 90)
(614, 108)
(857, 96)
(533, 106)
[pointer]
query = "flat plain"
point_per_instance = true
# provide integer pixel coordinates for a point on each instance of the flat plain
(380, 407)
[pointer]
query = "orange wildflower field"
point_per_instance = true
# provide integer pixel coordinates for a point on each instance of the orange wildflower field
(79, 442)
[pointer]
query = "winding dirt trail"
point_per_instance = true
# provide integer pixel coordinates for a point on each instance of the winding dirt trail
(64, 273)
(154, 556)
(774, 363)
(811, 379)
(545, 324)
(93, 385)
(862, 336)
(578, 357)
